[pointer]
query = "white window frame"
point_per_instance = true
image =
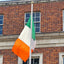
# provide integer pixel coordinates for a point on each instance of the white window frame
(1, 24)
(53, 0)
(63, 19)
(35, 22)
(61, 54)
(40, 55)
(1, 59)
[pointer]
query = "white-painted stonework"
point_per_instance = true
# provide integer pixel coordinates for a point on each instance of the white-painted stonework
(42, 40)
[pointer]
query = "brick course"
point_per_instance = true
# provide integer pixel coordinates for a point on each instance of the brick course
(9, 57)
(51, 17)
(50, 55)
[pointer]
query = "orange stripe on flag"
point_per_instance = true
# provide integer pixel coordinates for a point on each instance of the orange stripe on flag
(21, 50)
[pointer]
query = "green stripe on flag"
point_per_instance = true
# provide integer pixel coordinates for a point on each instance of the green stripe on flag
(33, 28)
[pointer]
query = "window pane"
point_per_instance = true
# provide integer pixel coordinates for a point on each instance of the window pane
(1, 21)
(24, 62)
(27, 62)
(63, 20)
(36, 61)
(37, 14)
(37, 29)
(33, 61)
(37, 24)
(63, 60)
(1, 16)
(36, 18)
(1, 27)
(1, 59)
(33, 14)
(0, 31)
(28, 15)
(26, 20)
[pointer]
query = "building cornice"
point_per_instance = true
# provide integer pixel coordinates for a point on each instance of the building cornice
(26, 2)
(42, 40)
(50, 36)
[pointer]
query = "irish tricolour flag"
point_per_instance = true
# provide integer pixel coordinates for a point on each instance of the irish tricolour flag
(22, 45)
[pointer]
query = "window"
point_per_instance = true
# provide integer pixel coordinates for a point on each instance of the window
(1, 59)
(33, 61)
(61, 58)
(63, 20)
(53, 0)
(1, 24)
(36, 18)
(37, 58)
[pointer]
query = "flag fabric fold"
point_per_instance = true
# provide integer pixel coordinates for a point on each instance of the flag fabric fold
(22, 45)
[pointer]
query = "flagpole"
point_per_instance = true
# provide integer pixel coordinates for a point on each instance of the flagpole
(31, 30)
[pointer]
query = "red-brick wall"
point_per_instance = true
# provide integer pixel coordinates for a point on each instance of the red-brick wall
(51, 17)
(50, 55)
(9, 57)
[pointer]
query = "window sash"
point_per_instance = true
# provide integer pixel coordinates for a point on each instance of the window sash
(1, 59)
(61, 55)
(35, 22)
(34, 55)
(1, 30)
(63, 20)
(33, 60)
(63, 60)
(1, 24)
(1, 21)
